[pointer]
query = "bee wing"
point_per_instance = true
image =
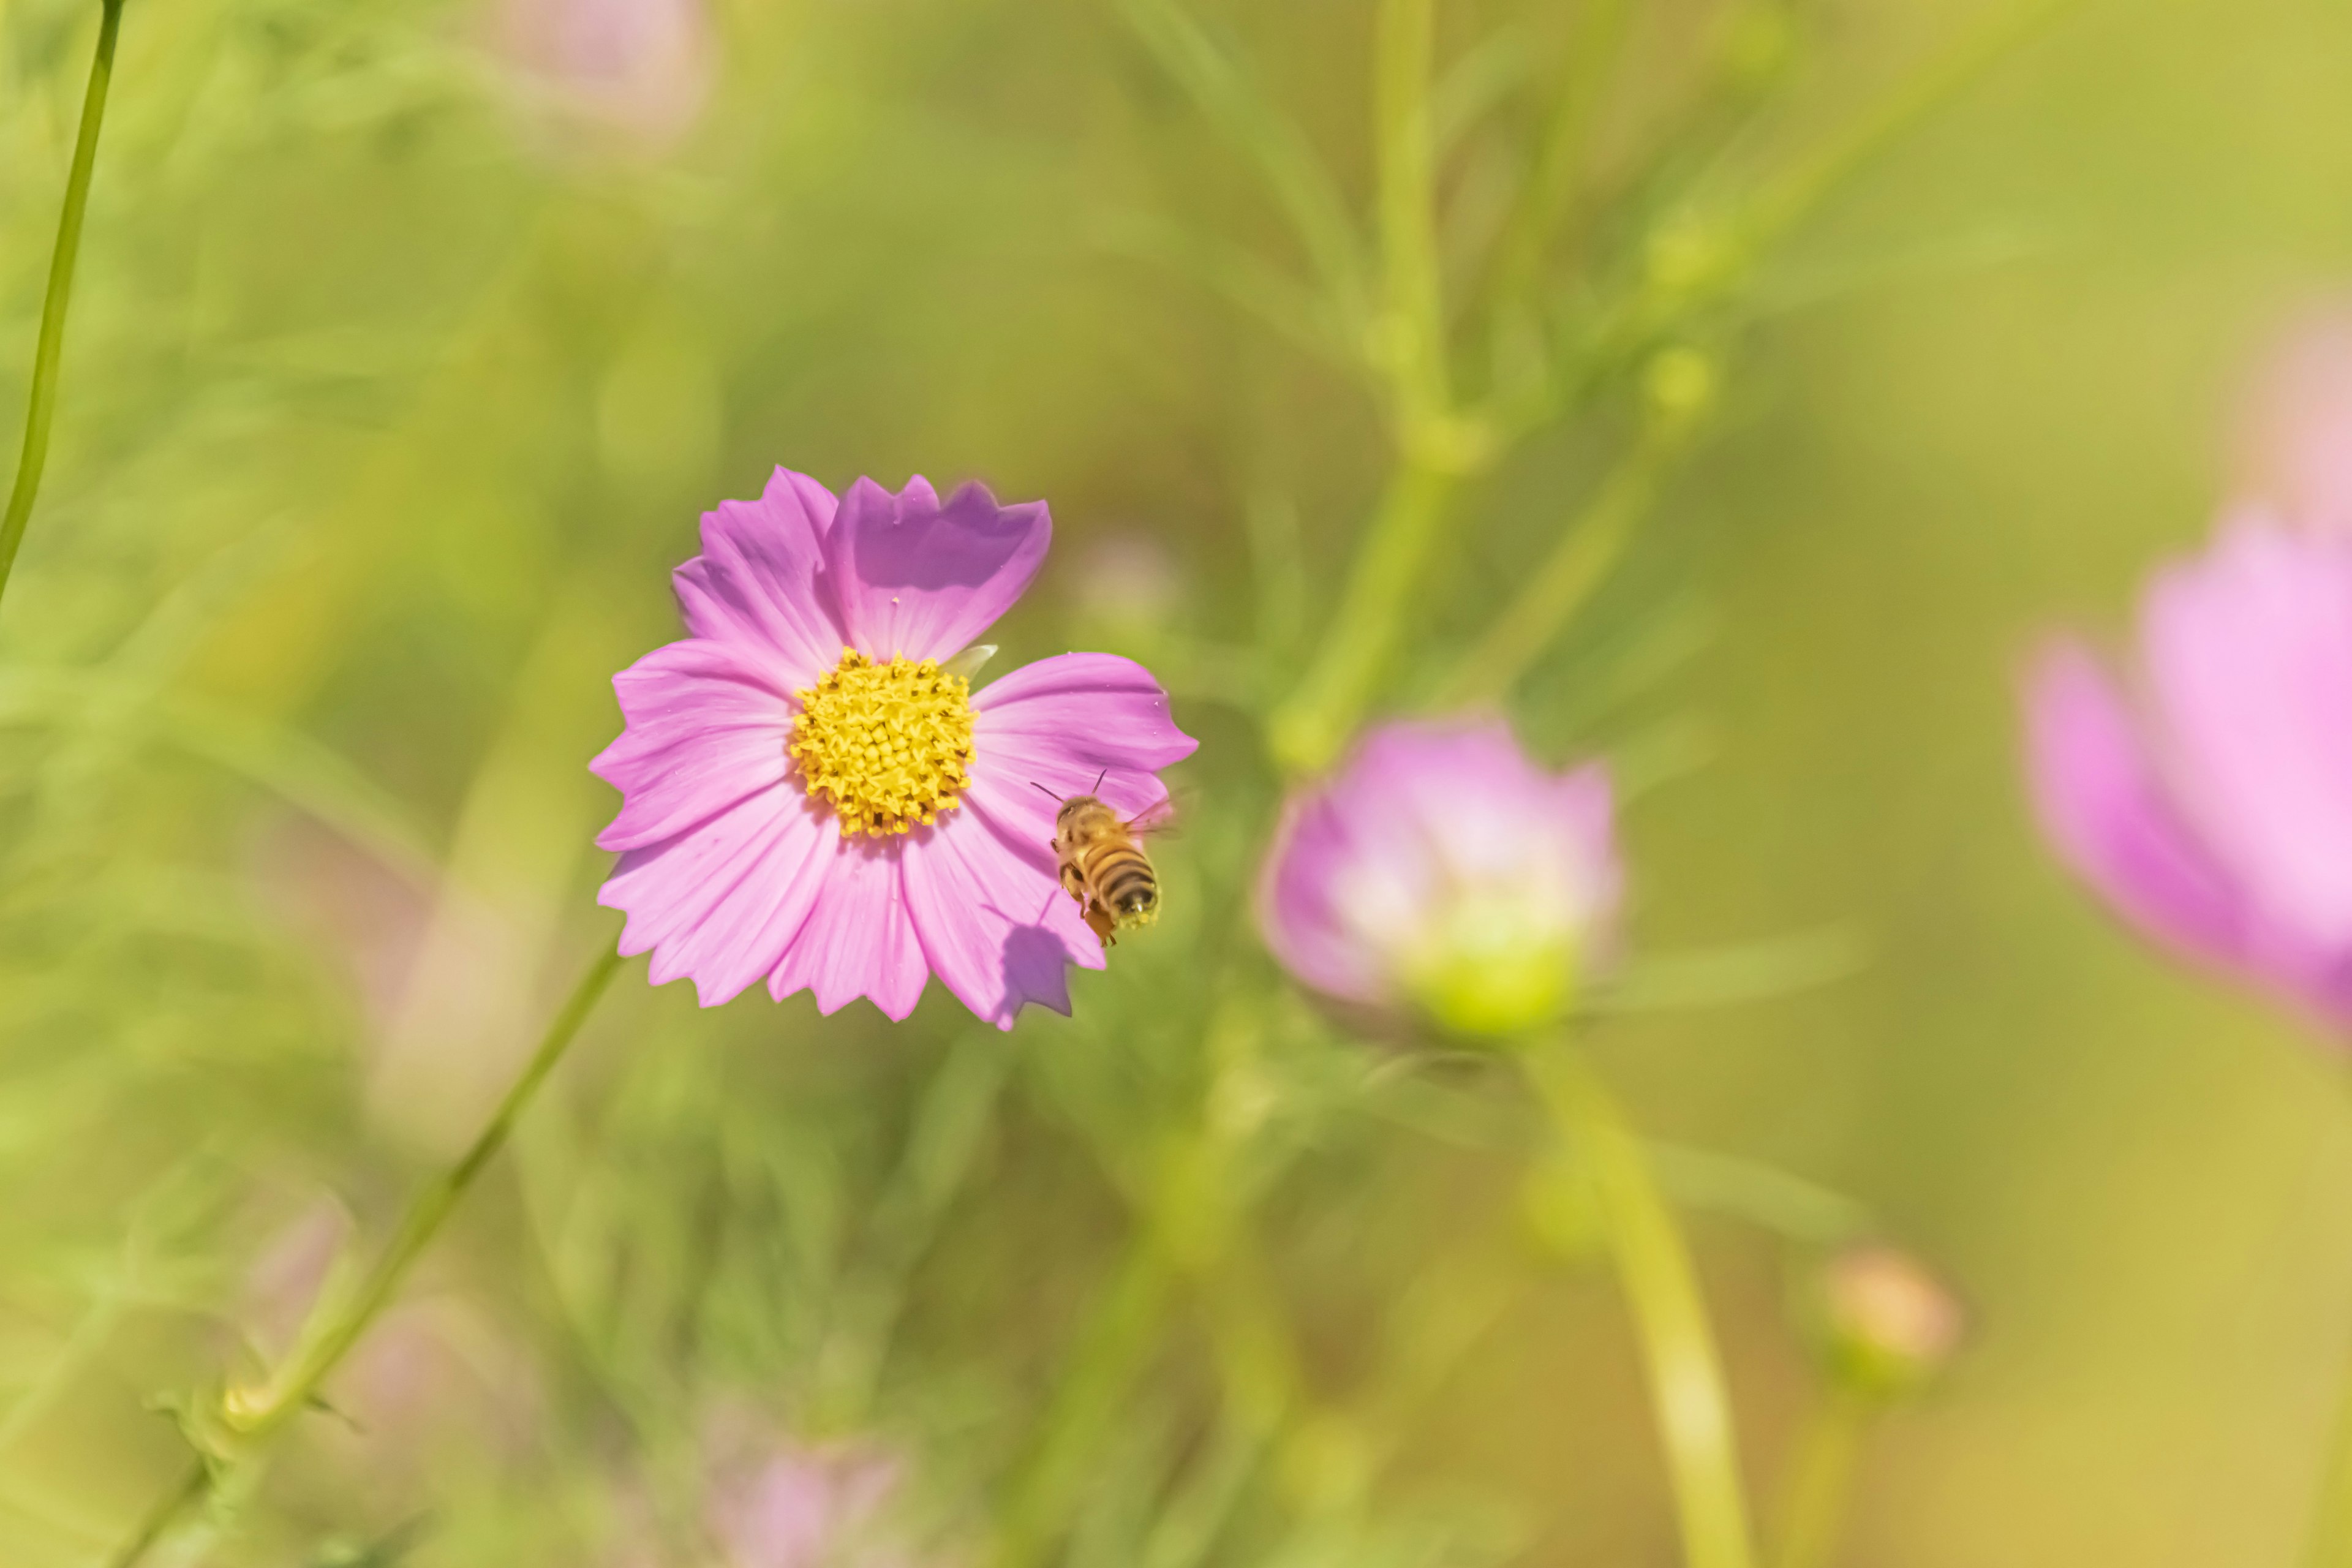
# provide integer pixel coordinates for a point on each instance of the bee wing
(1164, 820)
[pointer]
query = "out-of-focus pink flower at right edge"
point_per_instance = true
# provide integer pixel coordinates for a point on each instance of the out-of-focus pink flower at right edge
(1442, 872)
(2208, 796)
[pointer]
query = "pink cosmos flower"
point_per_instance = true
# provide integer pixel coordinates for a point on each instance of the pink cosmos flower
(1442, 870)
(811, 798)
(2209, 795)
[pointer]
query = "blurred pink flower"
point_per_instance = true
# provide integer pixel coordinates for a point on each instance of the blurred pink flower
(2294, 434)
(810, 797)
(2208, 796)
(643, 67)
(1442, 870)
(791, 1506)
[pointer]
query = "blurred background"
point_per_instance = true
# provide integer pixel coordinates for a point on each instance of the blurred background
(412, 336)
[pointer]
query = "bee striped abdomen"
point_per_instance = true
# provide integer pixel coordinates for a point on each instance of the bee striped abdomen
(1122, 879)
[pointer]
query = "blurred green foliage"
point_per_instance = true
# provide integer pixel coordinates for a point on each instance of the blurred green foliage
(394, 385)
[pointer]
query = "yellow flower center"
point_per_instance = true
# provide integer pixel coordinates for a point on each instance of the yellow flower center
(889, 744)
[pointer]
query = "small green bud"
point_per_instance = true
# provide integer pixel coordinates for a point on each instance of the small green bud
(1889, 1324)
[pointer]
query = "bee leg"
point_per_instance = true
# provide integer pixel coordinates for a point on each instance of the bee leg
(1100, 920)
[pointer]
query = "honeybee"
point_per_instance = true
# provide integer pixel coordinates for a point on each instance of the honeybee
(1103, 864)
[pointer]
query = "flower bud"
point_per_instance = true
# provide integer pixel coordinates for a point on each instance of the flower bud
(1889, 1324)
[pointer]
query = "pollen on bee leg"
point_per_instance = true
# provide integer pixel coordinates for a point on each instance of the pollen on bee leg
(888, 745)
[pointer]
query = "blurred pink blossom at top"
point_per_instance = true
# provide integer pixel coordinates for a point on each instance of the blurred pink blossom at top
(793, 1507)
(2204, 788)
(2293, 449)
(642, 68)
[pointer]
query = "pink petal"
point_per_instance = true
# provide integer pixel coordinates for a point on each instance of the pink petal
(924, 580)
(2101, 807)
(1079, 723)
(859, 941)
(761, 580)
(704, 727)
(1306, 933)
(721, 902)
(2248, 652)
(995, 923)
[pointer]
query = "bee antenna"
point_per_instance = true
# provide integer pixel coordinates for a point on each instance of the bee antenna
(1041, 789)
(1099, 779)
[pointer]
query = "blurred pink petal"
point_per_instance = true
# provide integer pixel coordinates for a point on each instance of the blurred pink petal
(2216, 813)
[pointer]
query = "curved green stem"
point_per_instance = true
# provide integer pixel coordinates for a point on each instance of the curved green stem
(250, 1416)
(1435, 446)
(41, 401)
(2329, 1544)
(1821, 1479)
(1312, 725)
(1586, 552)
(1685, 1376)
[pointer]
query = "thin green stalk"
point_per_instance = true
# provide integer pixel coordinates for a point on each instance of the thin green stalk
(1685, 1376)
(1546, 197)
(1799, 189)
(1413, 328)
(1586, 550)
(1821, 1479)
(1117, 1338)
(194, 1487)
(1434, 446)
(2329, 1544)
(1311, 726)
(251, 1417)
(41, 404)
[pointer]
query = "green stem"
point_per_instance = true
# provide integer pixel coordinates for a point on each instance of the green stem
(192, 1488)
(1434, 446)
(1686, 1386)
(1311, 726)
(41, 404)
(1117, 1338)
(1586, 552)
(2329, 1541)
(252, 1416)
(1821, 1479)
(1546, 198)
(1414, 331)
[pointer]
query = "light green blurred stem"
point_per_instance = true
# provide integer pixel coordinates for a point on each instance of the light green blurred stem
(1310, 727)
(1118, 1336)
(1686, 1387)
(2329, 1542)
(1434, 448)
(252, 1416)
(1821, 1479)
(1578, 562)
(41, 403)
(1545, 197)
(1412, 332)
